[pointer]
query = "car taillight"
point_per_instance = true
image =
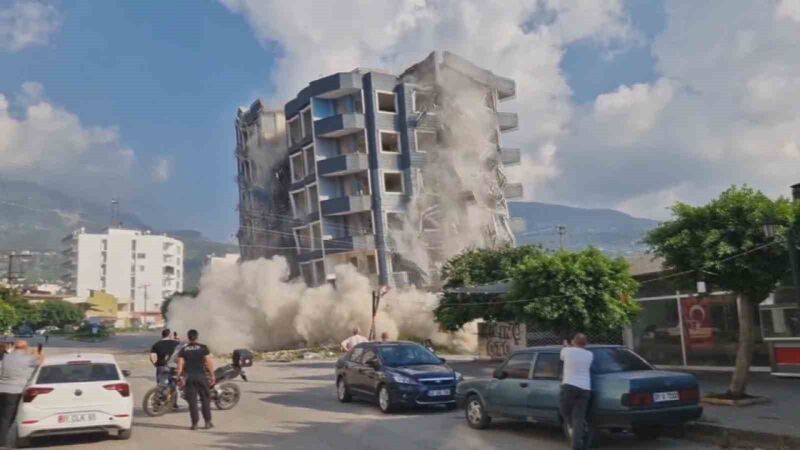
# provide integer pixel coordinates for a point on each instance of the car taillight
(689, 395)
(33, 392)
(123, 388)
(637, 399)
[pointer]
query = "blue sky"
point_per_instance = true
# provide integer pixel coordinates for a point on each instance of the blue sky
(167, 76)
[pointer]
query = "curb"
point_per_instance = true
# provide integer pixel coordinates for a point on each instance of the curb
(726, 437)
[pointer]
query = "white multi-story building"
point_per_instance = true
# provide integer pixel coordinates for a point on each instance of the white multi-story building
(139, 268)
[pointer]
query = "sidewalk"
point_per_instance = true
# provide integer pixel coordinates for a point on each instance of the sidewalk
(773, 425)
(780, 416)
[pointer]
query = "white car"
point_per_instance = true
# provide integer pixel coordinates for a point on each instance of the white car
(75, 394)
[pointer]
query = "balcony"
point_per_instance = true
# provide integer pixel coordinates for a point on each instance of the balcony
(400, 280)
(350, 243)
(337, 85)
(339, 125)
(507, 121)
(506, 88)
(343, 165)
(510, 156)
(346, 205)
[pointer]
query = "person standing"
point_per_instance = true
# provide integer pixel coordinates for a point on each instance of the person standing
(18, 366)
(197, 368)
(160, 353)
(353, 340)
(576, 388)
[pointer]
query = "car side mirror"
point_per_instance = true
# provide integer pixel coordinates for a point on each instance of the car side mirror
(442, 360)
(500, 374)
(126, 372)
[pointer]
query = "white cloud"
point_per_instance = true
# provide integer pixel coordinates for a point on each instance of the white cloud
(41, 141)
(724, 109)
(26, 24)
(521, 39)
(162, 170)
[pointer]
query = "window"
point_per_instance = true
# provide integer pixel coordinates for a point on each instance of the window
(369, 355)
(133, 283)
(141, 255)
(316, 236)
(298, 166)
(548, 366)
(299, 203)
(311, 165)
(393, 182)
(518, 366)
(313, 198)
(319, 269)
(77, 373)
(133, 294)
(141, 268)
(390, 142)
(386, 102)
(307, 122)
(356, 354)
(488, 100)
(423, 101)
(372, 264)
(426, 140)
(394, 221)
(612, 360)
(307, 274)
(133, 246)
(295, 131)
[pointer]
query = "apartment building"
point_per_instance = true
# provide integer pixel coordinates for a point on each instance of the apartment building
(138, 268)
(357, 144)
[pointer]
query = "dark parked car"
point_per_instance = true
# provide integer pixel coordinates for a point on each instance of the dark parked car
(627, 392)
(395, 374)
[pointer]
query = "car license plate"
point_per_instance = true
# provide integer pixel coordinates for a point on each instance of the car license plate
(439, 393)
(670, 396)
(76, 418)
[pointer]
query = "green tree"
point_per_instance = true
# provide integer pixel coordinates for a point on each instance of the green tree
(574, 291)
(25, 312)
(475, 267)
(59, 313)
(8, 317)
(724, 241)
(563, 291)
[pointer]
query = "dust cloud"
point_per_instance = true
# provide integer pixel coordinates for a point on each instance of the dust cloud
(256, 305)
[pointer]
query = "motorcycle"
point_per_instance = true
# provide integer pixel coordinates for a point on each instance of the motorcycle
(224, 394)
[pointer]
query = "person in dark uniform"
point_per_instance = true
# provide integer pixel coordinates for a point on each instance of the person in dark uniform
(196, 368)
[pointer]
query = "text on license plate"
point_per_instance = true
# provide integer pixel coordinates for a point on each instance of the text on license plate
(670, 396)
(439, 393)
(76, 418)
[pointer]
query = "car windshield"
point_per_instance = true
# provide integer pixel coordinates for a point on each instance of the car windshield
(612, 360)
(407, 355)
(77, 373)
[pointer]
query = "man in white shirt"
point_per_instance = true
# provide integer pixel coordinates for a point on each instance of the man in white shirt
(353, 340)
(576, 387)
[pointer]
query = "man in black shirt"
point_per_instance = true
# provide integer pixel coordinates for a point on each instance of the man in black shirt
(160, 353)
(196, 365)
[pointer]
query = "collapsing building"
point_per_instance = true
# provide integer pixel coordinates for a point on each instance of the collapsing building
(392, 174)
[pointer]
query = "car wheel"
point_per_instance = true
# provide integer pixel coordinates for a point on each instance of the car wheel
(385, 400)
(343, 391)
(647, 433)
(475, 412)
(124, 435)
(589, 434)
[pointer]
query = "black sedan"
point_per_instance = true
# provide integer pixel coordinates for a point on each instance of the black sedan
(396, 374)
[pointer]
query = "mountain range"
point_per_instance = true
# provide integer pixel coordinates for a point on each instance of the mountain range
(37, 219)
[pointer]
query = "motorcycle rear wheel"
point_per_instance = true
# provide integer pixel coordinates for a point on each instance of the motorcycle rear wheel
(156, 402)
(227, 397)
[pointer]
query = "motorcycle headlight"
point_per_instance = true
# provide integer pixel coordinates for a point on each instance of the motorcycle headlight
(459, 376)
(402, 379)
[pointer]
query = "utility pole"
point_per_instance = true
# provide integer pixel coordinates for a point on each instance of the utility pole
(562, 235)
(144, 286)
(10, 277)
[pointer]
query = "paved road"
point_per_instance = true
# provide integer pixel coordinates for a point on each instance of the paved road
(293, 406)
